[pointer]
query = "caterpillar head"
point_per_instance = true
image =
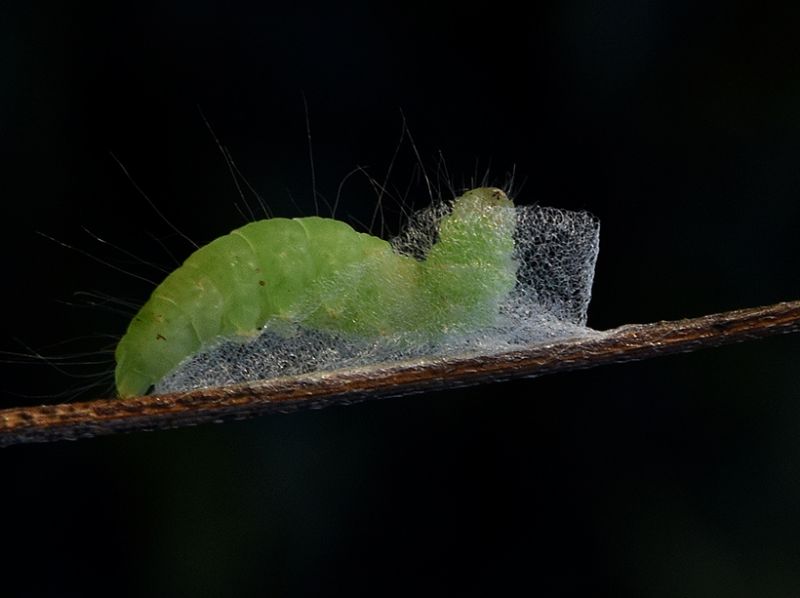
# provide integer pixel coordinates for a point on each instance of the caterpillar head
(479, 226)
(482, 198)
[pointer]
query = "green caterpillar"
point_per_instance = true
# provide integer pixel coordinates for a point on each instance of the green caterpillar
(324, 275)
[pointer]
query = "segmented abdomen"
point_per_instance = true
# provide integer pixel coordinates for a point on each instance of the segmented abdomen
(232, 287)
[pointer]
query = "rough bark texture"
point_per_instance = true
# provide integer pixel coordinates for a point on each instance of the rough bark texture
(627, 343)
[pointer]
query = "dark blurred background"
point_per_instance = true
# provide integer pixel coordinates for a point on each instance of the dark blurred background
(677, 123)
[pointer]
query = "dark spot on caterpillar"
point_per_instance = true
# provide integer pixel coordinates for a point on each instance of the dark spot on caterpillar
(160, 337)
(261, 283)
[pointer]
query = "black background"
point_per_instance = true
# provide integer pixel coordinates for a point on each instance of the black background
(677, 123)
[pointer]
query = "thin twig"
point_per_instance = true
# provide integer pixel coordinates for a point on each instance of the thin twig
(627, 343)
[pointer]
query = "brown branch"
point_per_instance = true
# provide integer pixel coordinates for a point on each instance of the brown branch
(627, 343)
